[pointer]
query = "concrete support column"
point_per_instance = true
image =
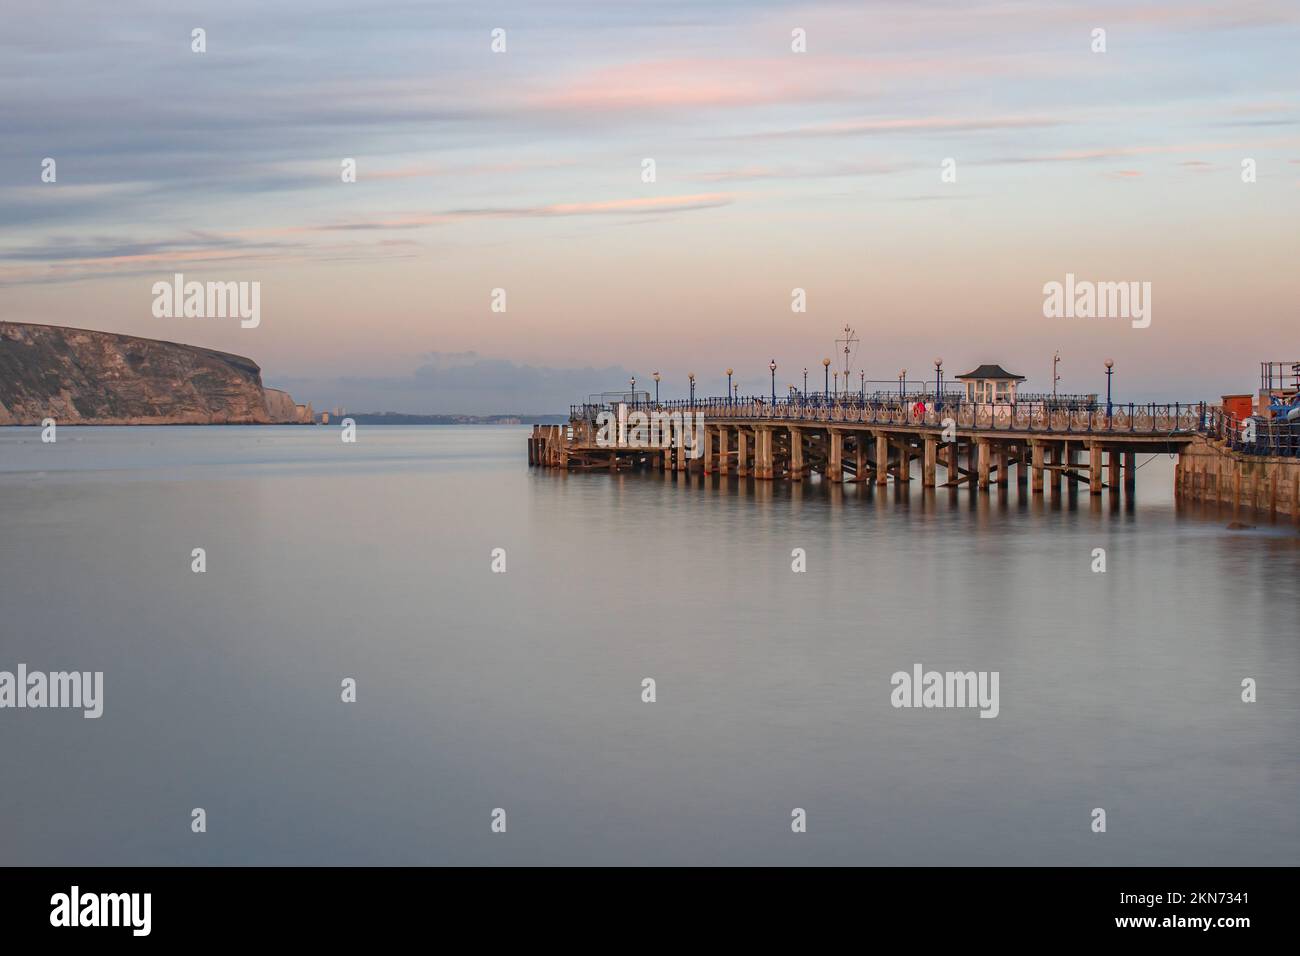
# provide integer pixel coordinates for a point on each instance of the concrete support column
(1094, 468)
(928, 463)
(882, 458)
(984, 455)
(796, 454)
(1036, 466)
(835, 464)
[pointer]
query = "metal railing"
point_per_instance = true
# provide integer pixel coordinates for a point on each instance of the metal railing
(1170, 419)
(1281, 376)
(1255, 436)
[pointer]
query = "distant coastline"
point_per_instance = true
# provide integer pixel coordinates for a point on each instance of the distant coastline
(401, 418)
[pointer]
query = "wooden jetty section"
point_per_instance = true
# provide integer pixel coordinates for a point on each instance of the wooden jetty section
(945, 444)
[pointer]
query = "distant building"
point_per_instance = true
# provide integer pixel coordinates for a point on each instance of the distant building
(991, 384)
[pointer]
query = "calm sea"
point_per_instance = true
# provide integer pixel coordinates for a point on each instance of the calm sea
(523, 691)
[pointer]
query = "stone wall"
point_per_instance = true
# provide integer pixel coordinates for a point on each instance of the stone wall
(1209, 472)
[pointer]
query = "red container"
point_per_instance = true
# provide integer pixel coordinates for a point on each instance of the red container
(1239, 406)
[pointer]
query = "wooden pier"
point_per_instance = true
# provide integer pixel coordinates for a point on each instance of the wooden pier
(944, 445)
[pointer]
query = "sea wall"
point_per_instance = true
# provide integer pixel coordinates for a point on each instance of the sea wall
(1211, 473)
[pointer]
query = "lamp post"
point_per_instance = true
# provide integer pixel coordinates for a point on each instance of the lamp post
(805, 382)
(938, 378)
(826, 386)
(691, 376)
(633, 389)
(862, 385)
(1056, 360)
(772, 366)
(728, 385)
(737, 392)
(1110, 370)
(656, 378)
(902, 382)
(837, 383)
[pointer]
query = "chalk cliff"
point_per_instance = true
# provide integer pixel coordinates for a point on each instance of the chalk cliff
(77, 376)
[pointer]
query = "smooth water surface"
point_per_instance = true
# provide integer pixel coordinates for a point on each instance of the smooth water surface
(523, 690)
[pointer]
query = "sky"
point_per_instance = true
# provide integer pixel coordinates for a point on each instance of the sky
(775, 169)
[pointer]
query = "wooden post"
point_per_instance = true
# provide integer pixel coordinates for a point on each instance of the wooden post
(796, 454)
(950, 463)
(1054, 464)
(1112, 474)
(724, 449)
(742, 450)
(1094, 468)
(708, 450)
(860, 448)
(928, 463)
(1022, 462)
(1002, 464)
(882, 458)
(835, 464)
(1130, 474)
(984, 455)
(1036, 450)
(904, 461)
